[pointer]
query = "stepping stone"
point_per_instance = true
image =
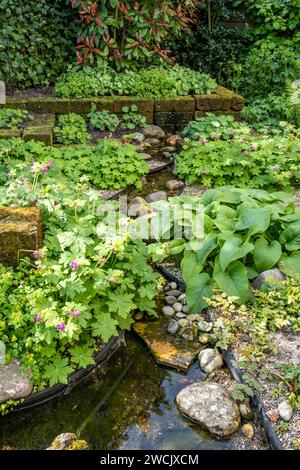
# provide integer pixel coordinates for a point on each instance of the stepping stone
(9, 133)
(14, 384)
(42, 133)
(171, 351)
(21, 233)
(157, 165)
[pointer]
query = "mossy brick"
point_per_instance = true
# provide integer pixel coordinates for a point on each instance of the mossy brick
(43, 120)
(40, 133)
(224, 92)
(178, 104)
(237, 114)
(10, 133)
(172, 121)
(208, 102)
(104, 104)
(21, 233)
(84, 106)
(48, 105)
(14, 103)
(144, 106)
(238, 102)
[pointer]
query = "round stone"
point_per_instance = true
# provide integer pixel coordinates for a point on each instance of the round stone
(181, 297)
(173, 285)
(245, 410)
(204, 338)
(170, 299)
(209, 405)
(180, 315)
(248, 430)
(285, 411)
(172, 327)
(174, 292)
(168, 311)
(177, 307)
(210, 360)
(185, 309)
(204, 326)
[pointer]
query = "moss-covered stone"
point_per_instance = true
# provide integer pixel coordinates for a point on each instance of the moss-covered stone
(43, 133)
(238, 102)
(14, 103)
(144, 106)
(48, 105)
(224, 92)
(9, 133)
(179, 104)
(208, 102)
(171, 121)
(21, 233)
(198, 114)
(43, 120)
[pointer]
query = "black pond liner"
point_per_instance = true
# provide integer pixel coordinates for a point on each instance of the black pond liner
(75, 379)
(232, 365)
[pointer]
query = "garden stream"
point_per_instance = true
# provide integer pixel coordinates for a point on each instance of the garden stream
(127, 404)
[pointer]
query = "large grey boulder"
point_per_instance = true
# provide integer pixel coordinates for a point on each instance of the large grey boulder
(14, 383)
(154, 132)
(138, 207)
(273, 275)
(157, 196)
(209, 405)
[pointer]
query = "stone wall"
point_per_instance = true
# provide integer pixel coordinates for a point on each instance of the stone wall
(169, 113)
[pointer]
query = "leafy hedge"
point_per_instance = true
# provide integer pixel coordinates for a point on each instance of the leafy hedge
(36, 41)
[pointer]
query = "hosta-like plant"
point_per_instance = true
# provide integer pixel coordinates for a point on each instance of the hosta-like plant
(245, 232)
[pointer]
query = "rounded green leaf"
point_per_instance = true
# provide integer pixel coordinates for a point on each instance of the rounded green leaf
(198, 288)
(232, 250)
(234, 282)
(266, 255)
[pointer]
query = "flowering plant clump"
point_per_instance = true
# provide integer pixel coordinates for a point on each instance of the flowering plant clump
(81, 287)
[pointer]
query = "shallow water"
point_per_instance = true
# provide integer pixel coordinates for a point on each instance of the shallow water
(128, 404)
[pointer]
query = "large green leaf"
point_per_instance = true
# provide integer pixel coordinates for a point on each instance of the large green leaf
(233, 249)
(266, 255)
(234, 282)
(199, 286)
(256, 220)
(291, 237)
(290, 265)
(225, 218)
(190, 265)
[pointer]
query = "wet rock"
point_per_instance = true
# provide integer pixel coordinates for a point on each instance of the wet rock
(146, 156)
(68, 441)
(204, 338)
(166, 155)
(185, 309)
(209, 405)
(188, 331)
(172, 327)
(169, 149)
(210, 360)
(173, 185)
(248, 430)
(245, 410)
(181, 297)
(138, 316)
(285, 411)
(195, 317)
(14, 383)
(153, 132)
(157, 196)
(154, 143)
(139, 137)
(168, 311)
(167, 349)
(177, 307)
(273, 415)
(204, 326)
(143, 146)
(138, 208)
(170, 299)
(273, 275)
(175, 292)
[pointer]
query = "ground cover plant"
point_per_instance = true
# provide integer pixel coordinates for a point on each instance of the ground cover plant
(108, 165)
(106, 121)
(71, 129)
(82, 286)
(212, 127)
(12, 118)
(246, 232)
(152, 82)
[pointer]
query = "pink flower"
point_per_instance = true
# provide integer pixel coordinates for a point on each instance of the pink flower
(38, 318)
(244, 152)
(253, 148)
(74, 265)
(75, 313)
(60, 326)
(44, 169)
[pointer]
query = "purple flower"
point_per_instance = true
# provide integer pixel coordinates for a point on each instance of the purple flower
(21, 183)
(231, 135)
(44, 169)
(244, 152)
(9, 175)
(56, 203)
(35, 202)
(75, 313)
(32, 160)
(253, 148)
(74, 265)
(38, 318)
(60, 326)
(200, 139)
(35, 254)
(50, 164)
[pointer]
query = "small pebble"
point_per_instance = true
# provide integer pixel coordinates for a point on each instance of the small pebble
(285, 411)
(180, 315)
(273, 415)
(248, 430)
(181, 297)
(170, 299)
(173, 285)
(172, 327)
(175, 293)
(245, 410)
(183, 322)
(204, 326)
(185, 309)
(168, 311)
(204, 338)
(138, 316)
(166, 289)
(177, 307)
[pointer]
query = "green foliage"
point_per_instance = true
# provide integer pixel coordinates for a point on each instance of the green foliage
(152, 82)
(83, 285)
(11, 118)
(71, 129)
(131, 119)
(103, 120)
(245, 231)
(108, 165)
(250, 162)
(36, 39)
(212, 127)
(291, 379)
